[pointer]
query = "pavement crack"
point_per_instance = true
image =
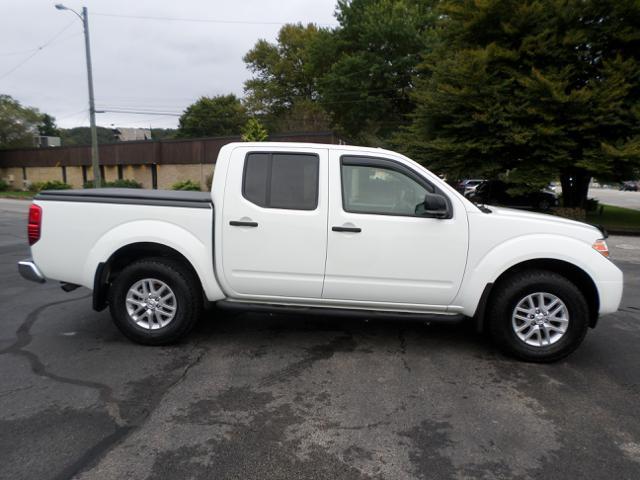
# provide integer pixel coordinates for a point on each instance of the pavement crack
(97, 452)
(403, 350)
(4, 393)
(24, 338)
(200, 355)
(343, 343)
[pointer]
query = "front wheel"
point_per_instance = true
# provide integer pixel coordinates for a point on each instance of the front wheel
(155, 301)
(538, 316)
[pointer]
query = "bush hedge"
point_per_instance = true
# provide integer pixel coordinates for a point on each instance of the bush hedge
(49, 185)
(186, 185)
(123, 183)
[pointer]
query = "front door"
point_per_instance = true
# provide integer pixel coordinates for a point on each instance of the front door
(275, 223)
(380, 250)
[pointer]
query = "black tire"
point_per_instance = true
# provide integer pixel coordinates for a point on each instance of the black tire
(185, 287)
(514, 288)
(544, 205)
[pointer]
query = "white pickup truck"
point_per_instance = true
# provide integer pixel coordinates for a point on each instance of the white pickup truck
(325, 228)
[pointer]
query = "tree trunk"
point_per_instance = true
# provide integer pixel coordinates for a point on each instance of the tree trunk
(575, 187)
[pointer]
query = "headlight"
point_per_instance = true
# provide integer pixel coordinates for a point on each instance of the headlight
(600, 245)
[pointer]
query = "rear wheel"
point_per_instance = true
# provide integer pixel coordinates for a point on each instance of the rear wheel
(155, 301)
(538, 316)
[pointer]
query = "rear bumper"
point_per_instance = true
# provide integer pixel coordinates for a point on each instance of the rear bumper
(29, 270)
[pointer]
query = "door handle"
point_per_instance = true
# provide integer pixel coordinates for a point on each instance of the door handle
(347, 229)
(238, 223)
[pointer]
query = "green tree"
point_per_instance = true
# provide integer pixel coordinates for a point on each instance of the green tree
(254, 131)
(18, 124)
(531, 90)
(82, 136)
(303, 116)
(163, 133)
(213, 116)
(284, 73)
(48, 126)
(376, 48)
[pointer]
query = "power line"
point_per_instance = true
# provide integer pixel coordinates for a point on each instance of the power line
(72, 114)
(19, 52)
(138, 112)
(37, 50)
(201, 20)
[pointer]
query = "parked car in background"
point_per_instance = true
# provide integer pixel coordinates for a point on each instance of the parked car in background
(495, 192)
(467, 186)
(629, 186)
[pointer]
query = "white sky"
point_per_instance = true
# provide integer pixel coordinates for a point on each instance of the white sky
(138, 64)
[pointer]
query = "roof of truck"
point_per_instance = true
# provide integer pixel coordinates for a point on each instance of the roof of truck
(330, 146)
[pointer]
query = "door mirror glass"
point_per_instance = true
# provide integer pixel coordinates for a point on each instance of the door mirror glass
(434, 205)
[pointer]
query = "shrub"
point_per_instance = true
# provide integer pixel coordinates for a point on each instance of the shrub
(186, 185)
(578, 214)
(49, 185)
(3, 185)
(122, 183)
(209, 181)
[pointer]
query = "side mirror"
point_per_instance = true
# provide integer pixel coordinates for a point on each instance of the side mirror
(434, 205)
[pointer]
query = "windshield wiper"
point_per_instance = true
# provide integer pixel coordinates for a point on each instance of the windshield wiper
(482, 207)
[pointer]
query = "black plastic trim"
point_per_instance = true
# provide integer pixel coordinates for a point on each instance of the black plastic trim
(336, 311)
(129, 196)
(100, 287)
(481, 309)
(347, 229)
(238, 223)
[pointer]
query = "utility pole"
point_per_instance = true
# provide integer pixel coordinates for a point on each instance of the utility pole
(95, 162)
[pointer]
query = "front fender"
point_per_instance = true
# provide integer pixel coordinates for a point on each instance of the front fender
(168, 234)
(486, 268)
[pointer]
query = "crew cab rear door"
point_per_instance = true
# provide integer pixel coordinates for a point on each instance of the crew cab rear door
(274, 237)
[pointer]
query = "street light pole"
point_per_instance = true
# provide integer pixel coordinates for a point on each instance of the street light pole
(95, 163)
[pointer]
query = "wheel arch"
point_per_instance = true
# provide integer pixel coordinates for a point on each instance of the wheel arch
(107, 271)
(572, 272)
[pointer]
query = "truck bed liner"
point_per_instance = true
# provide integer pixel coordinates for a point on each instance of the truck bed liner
(130, 196)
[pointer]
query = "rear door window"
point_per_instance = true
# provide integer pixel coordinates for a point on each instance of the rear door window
(281, 180)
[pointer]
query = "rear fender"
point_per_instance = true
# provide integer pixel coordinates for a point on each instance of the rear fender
(179, 239)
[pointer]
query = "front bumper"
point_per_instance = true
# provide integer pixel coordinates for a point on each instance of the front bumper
(29, 270)
(610, 293)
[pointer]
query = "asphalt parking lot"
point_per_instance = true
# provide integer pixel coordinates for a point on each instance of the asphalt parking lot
(262, 397)
(612, 196)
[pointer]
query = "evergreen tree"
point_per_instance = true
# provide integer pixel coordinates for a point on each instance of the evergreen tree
(48, 126)
(531, 90)
(253, 131)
